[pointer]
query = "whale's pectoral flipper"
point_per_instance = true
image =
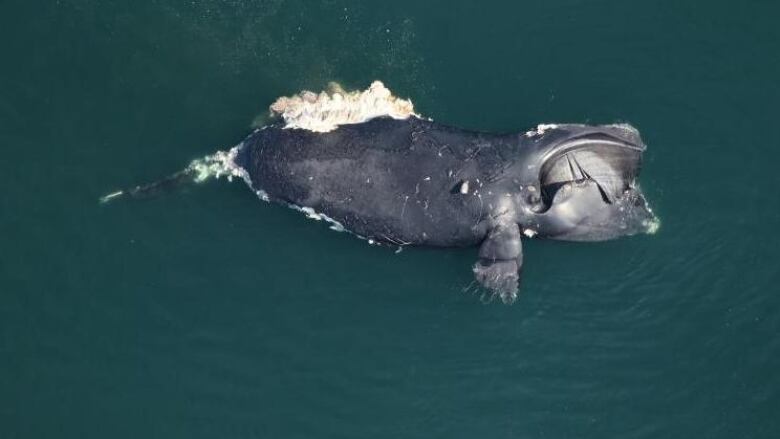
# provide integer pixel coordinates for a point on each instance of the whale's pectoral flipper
(500, 261)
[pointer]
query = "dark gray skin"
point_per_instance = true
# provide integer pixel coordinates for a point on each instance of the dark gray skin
(417, 182)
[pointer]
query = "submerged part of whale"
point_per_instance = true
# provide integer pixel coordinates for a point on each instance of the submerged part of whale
(368, 164)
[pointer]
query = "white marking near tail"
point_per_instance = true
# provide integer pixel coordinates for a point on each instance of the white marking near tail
(221, 163)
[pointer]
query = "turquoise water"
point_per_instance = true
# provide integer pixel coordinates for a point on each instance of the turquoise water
(206, 313)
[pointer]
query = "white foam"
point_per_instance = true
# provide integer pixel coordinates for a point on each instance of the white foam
(221, 163)
(263, 195)
(652, 226)
(540, 129)
(317, 216)
(326, 111)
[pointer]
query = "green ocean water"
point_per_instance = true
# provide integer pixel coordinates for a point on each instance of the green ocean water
(205, 313)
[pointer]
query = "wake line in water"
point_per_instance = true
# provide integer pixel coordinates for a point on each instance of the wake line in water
(317, 112)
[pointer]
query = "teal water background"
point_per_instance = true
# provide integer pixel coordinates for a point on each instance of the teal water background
(207, 314)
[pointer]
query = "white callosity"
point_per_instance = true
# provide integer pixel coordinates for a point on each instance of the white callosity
(326, 111)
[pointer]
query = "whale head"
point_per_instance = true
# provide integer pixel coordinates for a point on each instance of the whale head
(588, 184)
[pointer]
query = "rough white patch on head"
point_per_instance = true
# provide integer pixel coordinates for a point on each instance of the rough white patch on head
(529, 232)
(464, 187)
(328, 110)
(540, 129)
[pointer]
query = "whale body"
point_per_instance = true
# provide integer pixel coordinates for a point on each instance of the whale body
(417, 182)
(368, 164)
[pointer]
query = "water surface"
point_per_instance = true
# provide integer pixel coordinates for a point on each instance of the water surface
(206, 313)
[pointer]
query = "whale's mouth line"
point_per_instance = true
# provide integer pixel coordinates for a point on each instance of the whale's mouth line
(589, 187)
(584, 142)
(600, 158)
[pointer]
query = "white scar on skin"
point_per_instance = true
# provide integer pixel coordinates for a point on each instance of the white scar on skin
(328, 110)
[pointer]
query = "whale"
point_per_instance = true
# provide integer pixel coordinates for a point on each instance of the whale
(368, 165)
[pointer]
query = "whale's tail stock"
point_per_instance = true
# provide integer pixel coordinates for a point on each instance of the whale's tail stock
(317, 112)
(219, 164)
(167, 184)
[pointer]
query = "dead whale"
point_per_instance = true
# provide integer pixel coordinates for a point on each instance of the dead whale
(367, 163)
